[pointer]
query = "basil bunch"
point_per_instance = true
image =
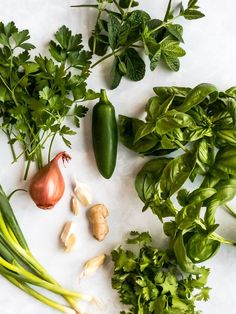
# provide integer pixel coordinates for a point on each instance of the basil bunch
(199, 125)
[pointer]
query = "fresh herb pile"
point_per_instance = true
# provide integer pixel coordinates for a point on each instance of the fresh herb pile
(152, 282)
(37, 94)
(129, 32)
(199, 125)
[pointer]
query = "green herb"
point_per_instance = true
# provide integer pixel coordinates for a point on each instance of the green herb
(199, 125)
(36, 95)
(151, 281)
(127, 32)
(19, 266)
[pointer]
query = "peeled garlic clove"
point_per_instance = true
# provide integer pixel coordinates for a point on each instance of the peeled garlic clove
(67, 231)
(83, 193)
(74, 206)
(92, 265)
(70, 243)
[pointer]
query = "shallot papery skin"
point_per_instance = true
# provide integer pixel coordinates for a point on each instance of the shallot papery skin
(47, 185)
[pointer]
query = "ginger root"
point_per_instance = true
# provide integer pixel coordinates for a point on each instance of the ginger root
(97, 217)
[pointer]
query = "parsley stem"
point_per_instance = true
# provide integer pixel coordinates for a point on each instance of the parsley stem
(5, 83)
(27, 169)
(50, 147)
(11, 145)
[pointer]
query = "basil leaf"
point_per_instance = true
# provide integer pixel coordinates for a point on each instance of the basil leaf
(201, 194)
(225, 192)
(180, 252)
(176, 173)
(202, 92)
(144, 130)
(226, 160)
(227, 136)
(200, 247)
(187, 216)
(173, 120)
(128, 128)
(148, 177)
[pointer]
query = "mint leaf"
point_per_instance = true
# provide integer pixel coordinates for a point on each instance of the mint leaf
(172, 62)
(175, 30)
(114, 27)
(155, 60)
(191, 14)
(134, 64)
(171, 48)
(169, 12)
(115, 74)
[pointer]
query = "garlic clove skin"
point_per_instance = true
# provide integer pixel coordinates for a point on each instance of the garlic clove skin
(67, 230)
(83, 193)
(74, 206)
(92, 265)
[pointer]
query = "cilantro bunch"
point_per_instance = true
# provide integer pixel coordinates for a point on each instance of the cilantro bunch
(124, 33)
(37, 94)
(152, 282)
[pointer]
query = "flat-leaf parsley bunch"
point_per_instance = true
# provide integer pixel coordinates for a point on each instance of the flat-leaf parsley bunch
(36, 94)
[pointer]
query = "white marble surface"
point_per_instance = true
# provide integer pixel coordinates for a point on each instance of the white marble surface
(210, 46)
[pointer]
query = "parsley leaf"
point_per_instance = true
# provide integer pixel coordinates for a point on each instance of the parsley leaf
(36, 93)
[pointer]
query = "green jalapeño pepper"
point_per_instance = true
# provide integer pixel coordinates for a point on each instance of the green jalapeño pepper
(105, 135)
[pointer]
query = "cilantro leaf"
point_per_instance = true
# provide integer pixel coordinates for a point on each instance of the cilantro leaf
(139, 238)
(150, 280)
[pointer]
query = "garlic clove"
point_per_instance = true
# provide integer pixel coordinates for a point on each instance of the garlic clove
(70, 243)
(92, 265)
(83, 193)
(67, 230)
(74, 206)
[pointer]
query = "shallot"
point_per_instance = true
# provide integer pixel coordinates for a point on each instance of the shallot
(47, 185)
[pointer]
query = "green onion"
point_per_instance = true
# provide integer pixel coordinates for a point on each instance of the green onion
(20, 267)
